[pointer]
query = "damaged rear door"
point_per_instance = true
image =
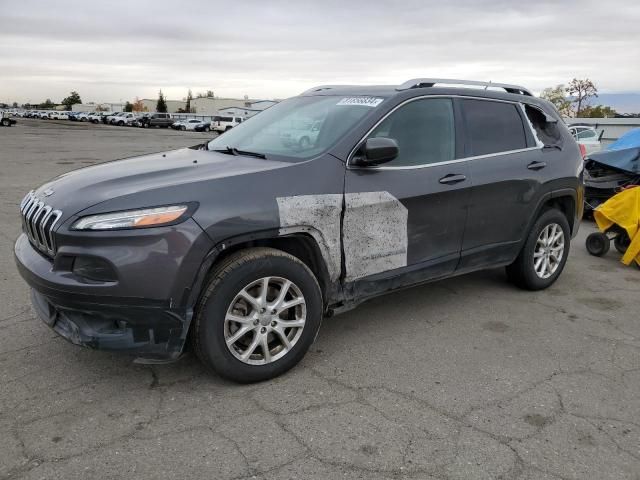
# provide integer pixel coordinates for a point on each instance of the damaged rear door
(404, 220)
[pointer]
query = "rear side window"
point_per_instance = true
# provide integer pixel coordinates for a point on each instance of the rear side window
(547, 132)
(493, 127)
(424, 130)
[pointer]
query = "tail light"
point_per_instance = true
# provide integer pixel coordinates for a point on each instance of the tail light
(583, 150)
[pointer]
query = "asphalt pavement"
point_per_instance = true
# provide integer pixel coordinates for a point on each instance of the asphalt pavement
(468, 378)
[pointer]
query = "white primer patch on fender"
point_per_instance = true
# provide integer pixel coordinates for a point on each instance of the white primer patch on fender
(322, 214)
(374, 229)
(375, 234)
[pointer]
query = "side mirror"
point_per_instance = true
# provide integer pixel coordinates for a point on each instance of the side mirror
(376, 150)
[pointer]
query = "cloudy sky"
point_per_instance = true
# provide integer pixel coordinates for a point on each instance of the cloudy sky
(115, 49)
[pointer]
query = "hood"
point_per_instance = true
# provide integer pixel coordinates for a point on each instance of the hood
(625, 160)
(174, 170)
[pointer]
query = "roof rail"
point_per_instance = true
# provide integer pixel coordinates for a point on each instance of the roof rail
(430, 82)
(320, 88)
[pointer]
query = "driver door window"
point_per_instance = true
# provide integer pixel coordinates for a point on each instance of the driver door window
(424, 130)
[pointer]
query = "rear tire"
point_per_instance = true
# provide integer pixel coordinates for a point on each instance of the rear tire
(212, 328)
(6, 122)
(538, 266)
(597, 244)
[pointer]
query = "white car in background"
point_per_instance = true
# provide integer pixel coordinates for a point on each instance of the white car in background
(111, 118)
(189, 124)
(587, 136)
(125, 118)
(222, 124)
(59, 116)
(95, 117)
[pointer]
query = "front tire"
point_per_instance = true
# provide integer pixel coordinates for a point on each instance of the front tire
(544, 253)
(258, 315)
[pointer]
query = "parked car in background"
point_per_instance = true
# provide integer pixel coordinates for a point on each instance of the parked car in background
(241, 245)
(124, 119)
(5, 121)
(162, 120)
(304, 137)
(222, 124)
(59, 116)
(113, 118)
(190, 124)
(588, 136)
(203, 127)
(95, 117)
(612, 170)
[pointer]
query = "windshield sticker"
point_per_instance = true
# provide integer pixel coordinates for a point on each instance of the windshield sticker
(364, 101)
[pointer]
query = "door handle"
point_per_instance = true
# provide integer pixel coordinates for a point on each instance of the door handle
(452, 178)
(536, 165)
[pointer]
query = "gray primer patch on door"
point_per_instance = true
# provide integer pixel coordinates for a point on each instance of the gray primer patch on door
(321, 214)
(375, 234)
(374, 229)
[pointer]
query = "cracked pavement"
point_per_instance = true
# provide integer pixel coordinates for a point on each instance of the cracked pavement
(469, 378)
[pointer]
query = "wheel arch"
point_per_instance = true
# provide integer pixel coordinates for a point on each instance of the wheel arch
(301, 245)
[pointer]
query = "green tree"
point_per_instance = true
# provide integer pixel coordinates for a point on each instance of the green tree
(15, 104)
(599, 111)
(161, 106)
(581, 91)
(557, 96)
(128, 107)
(72, 99)
(187, 107)
(47, 104)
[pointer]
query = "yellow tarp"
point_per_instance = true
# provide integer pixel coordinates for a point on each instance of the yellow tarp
(623, 209)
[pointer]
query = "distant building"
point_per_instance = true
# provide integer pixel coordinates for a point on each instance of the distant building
(243, 112)
(242, 107)
(97, 107)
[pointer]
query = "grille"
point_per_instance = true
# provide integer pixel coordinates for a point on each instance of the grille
(38, 220)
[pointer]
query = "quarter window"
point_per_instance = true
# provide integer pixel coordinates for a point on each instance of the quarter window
(493, 127)
(424, 130)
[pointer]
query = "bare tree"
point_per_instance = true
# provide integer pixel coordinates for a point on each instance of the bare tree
(581, 90)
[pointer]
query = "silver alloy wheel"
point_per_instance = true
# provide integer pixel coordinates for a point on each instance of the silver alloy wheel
(548, 251)
(265, 320)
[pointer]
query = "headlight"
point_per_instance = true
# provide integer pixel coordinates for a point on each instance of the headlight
(148, 217)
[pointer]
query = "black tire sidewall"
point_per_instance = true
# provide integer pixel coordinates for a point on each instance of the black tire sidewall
(533, 281)
(213, 311)
(597, 244)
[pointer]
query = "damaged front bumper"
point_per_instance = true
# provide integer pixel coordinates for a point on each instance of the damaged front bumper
(151, 329)
(149, 332)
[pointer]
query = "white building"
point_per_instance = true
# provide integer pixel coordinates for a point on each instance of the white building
(94, 107)
(241, 107)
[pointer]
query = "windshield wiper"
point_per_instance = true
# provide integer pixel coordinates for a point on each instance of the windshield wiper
(234, 151)
(227, 150)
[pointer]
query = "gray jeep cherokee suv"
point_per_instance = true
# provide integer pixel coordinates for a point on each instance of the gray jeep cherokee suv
(242, 245)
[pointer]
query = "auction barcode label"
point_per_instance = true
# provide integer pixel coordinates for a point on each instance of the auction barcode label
(364, 101)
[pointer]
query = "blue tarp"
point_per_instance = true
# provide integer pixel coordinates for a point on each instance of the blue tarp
(631, 139)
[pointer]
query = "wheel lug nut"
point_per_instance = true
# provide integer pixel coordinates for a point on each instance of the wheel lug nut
(255, 322)
(273, 312)
(274, 323)
(262, 330)
(262, 310)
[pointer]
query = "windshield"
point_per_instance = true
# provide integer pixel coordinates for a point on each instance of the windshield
(298, 128)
